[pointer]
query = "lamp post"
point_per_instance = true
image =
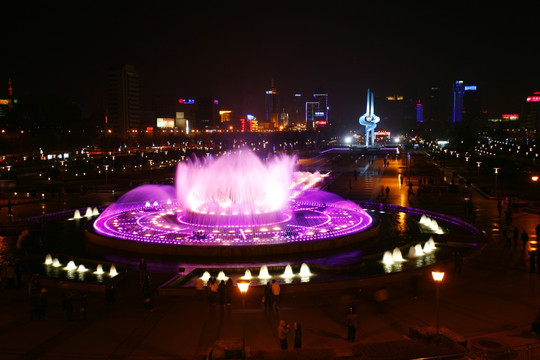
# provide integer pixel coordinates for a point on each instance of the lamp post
(8, 170)
(535, 180)
(437, 277)
(106, 172)
(478, 163)
(496, 179)
(243, 285)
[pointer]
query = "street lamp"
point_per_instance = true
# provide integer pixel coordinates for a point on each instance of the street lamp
(243, 285)
(535, 180)
(496, 180)
(106, 171)
(478, 163)
(437, 277)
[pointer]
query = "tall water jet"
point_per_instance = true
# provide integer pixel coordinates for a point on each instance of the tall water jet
(48, 259)
(77, 214)
(412, 253)
(263, 273)
(89, 212)
(388, 259)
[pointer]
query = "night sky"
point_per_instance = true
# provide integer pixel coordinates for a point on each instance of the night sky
(232, 50)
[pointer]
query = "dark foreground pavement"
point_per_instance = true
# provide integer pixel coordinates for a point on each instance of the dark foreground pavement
(489, 305)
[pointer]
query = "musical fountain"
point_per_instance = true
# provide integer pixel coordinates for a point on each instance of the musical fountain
(234, 205)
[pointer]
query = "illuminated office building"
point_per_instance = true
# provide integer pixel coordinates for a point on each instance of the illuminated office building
(123, 102)
(272, 106)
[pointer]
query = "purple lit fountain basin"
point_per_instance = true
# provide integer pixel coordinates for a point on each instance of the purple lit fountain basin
(164, 229)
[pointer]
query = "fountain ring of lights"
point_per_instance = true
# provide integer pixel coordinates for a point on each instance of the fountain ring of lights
(167, 225)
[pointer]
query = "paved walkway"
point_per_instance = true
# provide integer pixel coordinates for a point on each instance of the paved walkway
(494, 297)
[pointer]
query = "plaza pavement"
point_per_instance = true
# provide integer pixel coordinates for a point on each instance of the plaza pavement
(494, 298)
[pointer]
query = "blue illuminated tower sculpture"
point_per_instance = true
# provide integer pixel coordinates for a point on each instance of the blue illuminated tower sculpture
(369, 120)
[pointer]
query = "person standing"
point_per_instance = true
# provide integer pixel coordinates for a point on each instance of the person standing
(229, 289)
(283, 333)
(352, 324)
(268, 297)
(276, 290)
(297, 335)
(221, 293)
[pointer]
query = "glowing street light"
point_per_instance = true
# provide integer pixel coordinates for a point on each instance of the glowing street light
(437, 277)
(478, 163)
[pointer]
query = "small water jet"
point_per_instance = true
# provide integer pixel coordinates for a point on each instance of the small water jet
(205, 276)
(82, 268)
(89, 212)
(48, 259)
(247, 275)
(99, 270)
(221, 276)
(112, 271)
(263, 273)
(412, 252)
(388, 259)
(288, 273)
(71, 266)
(77, 214)
(95, 212)
(418, 250)
(304, 271)
(56, 263)
(396, 255)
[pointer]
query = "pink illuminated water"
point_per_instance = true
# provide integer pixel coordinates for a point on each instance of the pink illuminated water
(235, 199)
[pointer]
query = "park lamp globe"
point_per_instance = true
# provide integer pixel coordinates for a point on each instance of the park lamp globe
(437, 275)
(243, 285)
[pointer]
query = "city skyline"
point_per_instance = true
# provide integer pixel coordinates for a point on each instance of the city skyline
(233, 53)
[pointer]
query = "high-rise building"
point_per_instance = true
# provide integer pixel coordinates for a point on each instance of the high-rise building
(201, 114)
(435, 105)
(123, 100)
(321, 115)
(297, 115)
(532, 113)
(457, 103)
(272, 106)
(419, 112)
